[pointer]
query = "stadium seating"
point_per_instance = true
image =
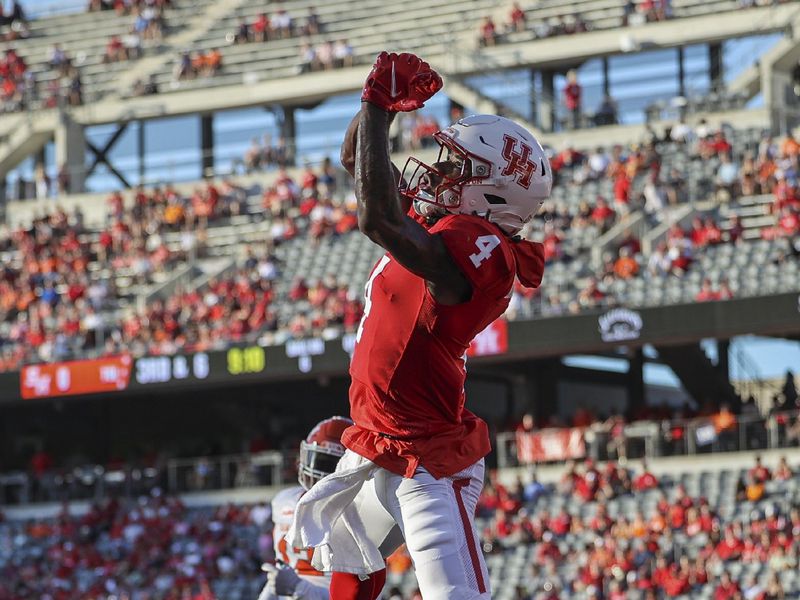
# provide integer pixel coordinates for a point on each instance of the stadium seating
(673, 535)
(83, 36)
(618, 529)
(310, 237)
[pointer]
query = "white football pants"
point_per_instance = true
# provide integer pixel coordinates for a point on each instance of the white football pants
(437, 519)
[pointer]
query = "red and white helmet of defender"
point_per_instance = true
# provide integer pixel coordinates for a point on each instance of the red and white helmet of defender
(488, 166)
(321, 450)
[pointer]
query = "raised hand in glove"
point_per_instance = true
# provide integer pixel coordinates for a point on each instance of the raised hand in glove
(400, 82)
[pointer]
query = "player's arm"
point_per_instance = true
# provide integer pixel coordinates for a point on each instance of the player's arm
(347, 156)
(381, 218)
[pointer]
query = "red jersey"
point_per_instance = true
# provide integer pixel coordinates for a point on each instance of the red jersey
(408, 367)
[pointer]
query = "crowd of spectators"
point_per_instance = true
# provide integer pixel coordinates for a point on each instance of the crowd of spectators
(276, 26)
(491, 33)
(59, 81)
(264, 154)
(325, 55)
(127, 7)
(682, 429)
(636, 180)
(55, 285)
(147, 28)
(198, 63)
(310, 206)
(58, 299)
(635, 12)
(154, 547)
(681, 545)
(577, 541)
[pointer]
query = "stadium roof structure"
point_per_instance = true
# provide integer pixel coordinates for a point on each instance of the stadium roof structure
(21, 135)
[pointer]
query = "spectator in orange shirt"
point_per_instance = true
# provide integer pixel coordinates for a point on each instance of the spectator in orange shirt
(754, 490)
(213, 62)
(790, 146)
(724, 420)
(725, 423)
(626, 266)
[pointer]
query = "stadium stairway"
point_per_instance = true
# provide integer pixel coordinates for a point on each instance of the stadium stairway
(198, 24)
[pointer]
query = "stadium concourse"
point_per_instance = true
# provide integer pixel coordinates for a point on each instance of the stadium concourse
(724, 527)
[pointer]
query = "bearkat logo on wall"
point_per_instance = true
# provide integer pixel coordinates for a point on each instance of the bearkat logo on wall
(620, 325)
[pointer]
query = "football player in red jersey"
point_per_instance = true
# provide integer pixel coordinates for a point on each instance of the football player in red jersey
(448, 272)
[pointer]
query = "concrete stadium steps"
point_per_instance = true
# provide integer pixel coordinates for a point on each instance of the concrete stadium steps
(84, 36)
(607, 14)
(370, 27)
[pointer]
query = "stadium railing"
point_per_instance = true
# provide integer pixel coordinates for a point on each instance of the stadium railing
(174, 476)
(648, 439)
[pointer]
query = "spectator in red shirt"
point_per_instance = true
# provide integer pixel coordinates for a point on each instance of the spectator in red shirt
(646, 480)
(561, 524)
(516, 18)
(789, 222)
(727, 589)
(711, 232)
(676, 581)
(602, 214)
(730, 547)
(706, 293)
(572, 98)
(759, 473)
(488, 33)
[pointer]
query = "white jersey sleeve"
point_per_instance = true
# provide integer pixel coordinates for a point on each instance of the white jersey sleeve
(283, 508)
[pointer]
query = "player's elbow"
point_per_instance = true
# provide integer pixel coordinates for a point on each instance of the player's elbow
(348, 160)
(368, 224)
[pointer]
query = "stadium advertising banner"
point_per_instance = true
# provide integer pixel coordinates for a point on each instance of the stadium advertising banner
(550, 445)
(555, 336)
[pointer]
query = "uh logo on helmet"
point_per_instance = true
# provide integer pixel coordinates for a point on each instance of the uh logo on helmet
(489, 166)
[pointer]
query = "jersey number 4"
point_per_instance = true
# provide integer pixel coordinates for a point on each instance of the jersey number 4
(485, 244)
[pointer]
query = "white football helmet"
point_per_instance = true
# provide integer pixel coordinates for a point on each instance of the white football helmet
(504, 173)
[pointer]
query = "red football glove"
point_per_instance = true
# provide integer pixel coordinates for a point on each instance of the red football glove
(400, 82)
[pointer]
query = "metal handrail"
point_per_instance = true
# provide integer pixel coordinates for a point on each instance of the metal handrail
(174, 476)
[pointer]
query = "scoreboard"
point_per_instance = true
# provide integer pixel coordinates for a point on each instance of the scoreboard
(777, 315)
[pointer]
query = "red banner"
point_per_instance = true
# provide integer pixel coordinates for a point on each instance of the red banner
(492, 340)
(74, 378)
(550, 445)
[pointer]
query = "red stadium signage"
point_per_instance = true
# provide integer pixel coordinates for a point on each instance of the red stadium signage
(550, 445)
(111, 374)
(492, 340)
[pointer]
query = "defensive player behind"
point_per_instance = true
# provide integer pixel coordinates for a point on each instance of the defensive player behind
(448, 272)
(294, 577)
